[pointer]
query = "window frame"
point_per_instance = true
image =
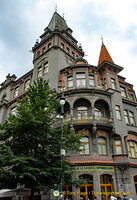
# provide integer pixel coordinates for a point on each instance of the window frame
(131, 117)
(82, 112)
(83, 144)
(102, 143)
(80, 80)
(118, 145)
(16, 91)
(126, 115)
(45, 67)
(123, 91)
(92, 80)
(26, 85)
(118, 111)
(132, 147)
(113, 83)
(39, 71)
(70, 81)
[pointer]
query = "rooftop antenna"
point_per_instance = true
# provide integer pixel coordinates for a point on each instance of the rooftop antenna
(102, 39)
(56, 8)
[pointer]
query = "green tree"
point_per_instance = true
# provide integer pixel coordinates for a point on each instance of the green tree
(30, 141)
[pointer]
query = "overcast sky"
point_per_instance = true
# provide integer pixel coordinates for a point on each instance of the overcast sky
(23, 21)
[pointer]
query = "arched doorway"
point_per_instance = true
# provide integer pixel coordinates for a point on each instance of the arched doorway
(106, 185)
(86, 189)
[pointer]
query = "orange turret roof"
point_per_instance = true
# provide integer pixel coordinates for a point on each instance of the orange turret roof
(104, 55)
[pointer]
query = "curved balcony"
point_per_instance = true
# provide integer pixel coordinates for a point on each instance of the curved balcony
(104, 121)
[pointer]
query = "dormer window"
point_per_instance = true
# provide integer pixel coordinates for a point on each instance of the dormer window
(81, 80)
(123, 91)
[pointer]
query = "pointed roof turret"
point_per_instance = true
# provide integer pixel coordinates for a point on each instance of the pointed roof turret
(104, 55)
(57, 22)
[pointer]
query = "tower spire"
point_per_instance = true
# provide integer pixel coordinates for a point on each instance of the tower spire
(104, 54)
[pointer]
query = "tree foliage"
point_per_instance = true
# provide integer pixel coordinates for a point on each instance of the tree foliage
(30, 141)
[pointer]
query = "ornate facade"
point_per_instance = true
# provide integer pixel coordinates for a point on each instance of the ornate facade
(98, 100)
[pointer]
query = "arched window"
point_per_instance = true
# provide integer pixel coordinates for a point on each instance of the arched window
(132, 149)
(102, 146)
(84, 148)
(82, 112)
(106, 186)
(99, 112)
(86, 189)
(135, 181)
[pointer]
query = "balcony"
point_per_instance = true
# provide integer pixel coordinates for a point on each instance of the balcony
(89, 120)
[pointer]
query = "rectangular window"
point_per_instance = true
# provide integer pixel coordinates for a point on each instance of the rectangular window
(26, 86)
(113, 83)
(132, 96)
(43, 49)
(126, 116)
(91, 80)
(39, 74)
(73, 54)
(49, 45)
(118, 147)
(132, 149)
(70, 82)
(38, 53)
(45, 68)
(13, 110)
(118, 112)
(62, 46)
(16, 92)
(67, 50)
(131, 118)
(80, 80)
(123, 92)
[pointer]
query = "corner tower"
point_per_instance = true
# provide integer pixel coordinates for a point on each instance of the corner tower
(57, 48)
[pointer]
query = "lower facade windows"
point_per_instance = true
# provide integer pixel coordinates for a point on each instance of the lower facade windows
(132, 149)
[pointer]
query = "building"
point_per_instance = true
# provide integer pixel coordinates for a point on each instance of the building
(98, 100)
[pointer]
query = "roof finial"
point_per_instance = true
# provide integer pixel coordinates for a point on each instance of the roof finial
(63, 15)
(56, 8)
(102, 40)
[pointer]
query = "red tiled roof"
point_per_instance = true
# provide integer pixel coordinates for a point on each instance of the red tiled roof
(104, 55)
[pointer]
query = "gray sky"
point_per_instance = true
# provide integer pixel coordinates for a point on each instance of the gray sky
(23, 21)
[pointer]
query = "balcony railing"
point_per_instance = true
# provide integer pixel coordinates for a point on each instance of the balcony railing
(88, 119)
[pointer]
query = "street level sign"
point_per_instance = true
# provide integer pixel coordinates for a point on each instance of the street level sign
(56, 193)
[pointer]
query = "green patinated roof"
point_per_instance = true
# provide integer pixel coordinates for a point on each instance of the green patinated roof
(57, 22)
